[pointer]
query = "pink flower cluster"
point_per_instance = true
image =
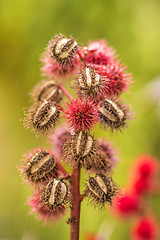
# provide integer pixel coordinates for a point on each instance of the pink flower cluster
(143, 182)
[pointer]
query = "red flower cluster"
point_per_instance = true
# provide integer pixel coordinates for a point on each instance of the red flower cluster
(126, 205)
(118, 80)
(99, 53)
(144, 175)
(145, 229)
(143, 181)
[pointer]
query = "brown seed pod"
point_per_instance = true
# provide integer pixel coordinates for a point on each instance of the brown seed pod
(101, 163)
(56, 194)
(42, 117)
(38, 166)
(113, 114)
(83, 147)
(47, 90)
(101, 189)
(89, 82)
(63, 49)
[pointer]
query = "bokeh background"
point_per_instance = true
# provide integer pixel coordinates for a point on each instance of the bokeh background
(131, 27)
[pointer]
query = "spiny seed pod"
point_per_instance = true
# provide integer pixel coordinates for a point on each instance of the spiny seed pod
(47, 90)
(42, 117)
(63, 49)
(82, 147)
(113, 114)
(56, 194)
(45, 212)
(89, 82)
(38, 166)
(101, 189)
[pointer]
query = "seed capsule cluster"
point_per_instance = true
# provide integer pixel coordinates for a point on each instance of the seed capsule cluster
(38, 166)
(113, 114)
(42, 116)
(51, 193)
(63, 50)
(56, 194)
(75, 143)
(101, 189)
(90, 83)
(83, 147)
(51, 199)
(47, 90)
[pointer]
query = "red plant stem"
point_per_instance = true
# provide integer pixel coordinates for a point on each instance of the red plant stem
(65, 91)
(82, 54)
(76, 201)
(59, 106)
(61, 168)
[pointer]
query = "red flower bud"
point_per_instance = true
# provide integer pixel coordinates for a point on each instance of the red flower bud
(145, 228)
(126, 205)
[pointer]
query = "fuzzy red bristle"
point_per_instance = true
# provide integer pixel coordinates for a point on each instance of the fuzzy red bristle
(119, 81)
(81, 114)
(99, 53)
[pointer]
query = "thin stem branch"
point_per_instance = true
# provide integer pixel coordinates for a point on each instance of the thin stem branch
(61, 168)
(76, 201)
(59, 106)
(65, 91)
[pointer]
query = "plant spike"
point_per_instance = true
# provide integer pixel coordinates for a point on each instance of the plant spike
(99, 79)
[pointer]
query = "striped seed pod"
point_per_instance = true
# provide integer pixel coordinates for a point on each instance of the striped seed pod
(101, 189)
(42, 117)
(56, 194)
(89, 82)
(48, 91)
(63, 49)
(83, 147)
(113, 114)
(38, 166)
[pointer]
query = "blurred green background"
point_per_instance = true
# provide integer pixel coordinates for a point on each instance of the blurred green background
(131, 27)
